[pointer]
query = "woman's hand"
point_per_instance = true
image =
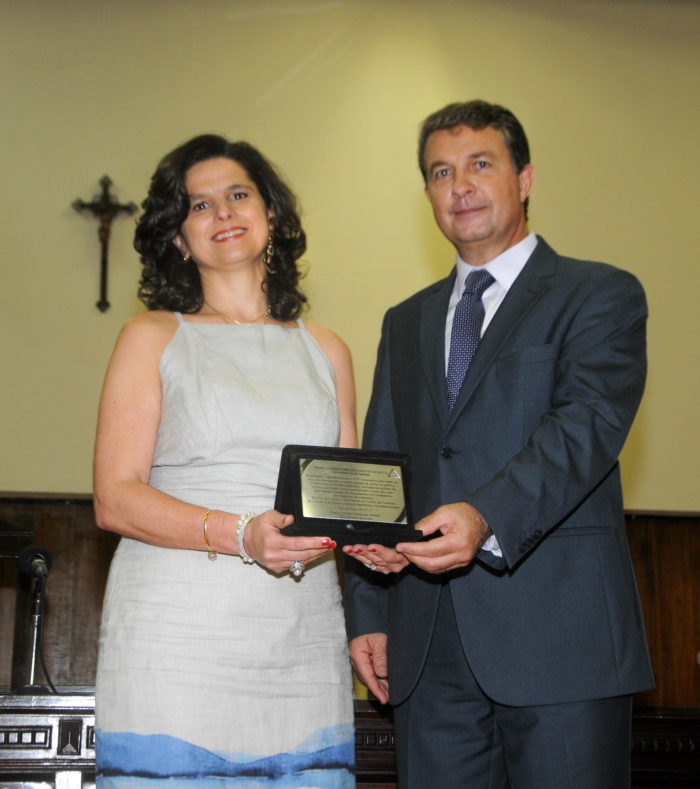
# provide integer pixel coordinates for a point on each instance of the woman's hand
(264, 542)
(377, 557)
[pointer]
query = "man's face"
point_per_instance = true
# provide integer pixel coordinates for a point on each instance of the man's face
(477, 196)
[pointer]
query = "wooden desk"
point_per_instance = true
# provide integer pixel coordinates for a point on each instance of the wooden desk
(49, 741)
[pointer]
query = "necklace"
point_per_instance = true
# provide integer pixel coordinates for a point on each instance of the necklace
(262, 317)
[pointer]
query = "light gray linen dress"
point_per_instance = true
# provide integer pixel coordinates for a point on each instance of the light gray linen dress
(216, 672)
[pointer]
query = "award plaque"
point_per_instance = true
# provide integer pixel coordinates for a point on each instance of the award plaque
(350, 495)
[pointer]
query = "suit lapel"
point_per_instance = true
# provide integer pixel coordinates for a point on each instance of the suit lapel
(432, 344)
(528, 288)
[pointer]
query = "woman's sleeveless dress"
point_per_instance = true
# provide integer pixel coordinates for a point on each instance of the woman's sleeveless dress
(218, 673)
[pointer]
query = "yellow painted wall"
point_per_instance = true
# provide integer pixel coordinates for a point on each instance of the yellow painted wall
(334, 93)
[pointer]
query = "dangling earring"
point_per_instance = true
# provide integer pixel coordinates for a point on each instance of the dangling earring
(267, 257)
(186, 257)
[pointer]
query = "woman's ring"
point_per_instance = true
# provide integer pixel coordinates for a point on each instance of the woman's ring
(372, 566)
(296, 569)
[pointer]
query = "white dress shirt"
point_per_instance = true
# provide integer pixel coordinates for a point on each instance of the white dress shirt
(504, 269)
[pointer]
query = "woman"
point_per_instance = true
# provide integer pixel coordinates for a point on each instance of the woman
(222, 647)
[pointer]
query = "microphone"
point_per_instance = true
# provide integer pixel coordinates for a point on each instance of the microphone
(34, 561)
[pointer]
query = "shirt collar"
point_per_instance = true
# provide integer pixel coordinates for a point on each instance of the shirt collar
(504, 268)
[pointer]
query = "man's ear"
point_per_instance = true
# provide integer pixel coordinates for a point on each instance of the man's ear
(182, 247)
(526, 178)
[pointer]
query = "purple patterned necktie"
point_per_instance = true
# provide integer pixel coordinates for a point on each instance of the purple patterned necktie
(466, 331)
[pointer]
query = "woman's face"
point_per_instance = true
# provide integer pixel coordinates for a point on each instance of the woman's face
(228, 222)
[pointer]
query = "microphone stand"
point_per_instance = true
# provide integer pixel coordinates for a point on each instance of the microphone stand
(35, 562)
(37, 613)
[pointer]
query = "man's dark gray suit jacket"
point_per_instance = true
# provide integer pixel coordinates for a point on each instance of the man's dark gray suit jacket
(533, 444)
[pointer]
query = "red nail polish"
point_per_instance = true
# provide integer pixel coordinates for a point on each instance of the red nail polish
(334, 544)
(325, 541)
(373, 550)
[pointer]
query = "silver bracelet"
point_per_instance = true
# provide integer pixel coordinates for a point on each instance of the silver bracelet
(240, 534)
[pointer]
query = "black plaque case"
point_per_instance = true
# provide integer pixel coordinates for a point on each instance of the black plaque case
(343, 531)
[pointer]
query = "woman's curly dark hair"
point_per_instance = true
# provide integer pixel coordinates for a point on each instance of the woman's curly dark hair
(167, 280)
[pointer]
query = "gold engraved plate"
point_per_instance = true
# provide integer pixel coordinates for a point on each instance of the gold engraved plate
(343, 490)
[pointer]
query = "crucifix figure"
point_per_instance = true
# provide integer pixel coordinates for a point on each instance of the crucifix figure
(105, 209)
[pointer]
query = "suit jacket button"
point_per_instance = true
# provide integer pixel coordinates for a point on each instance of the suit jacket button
(446, 452)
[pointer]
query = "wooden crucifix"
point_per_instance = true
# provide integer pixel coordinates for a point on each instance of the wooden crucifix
(105, 209)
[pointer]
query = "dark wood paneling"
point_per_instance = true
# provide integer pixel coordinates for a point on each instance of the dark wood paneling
(665, 550)
(666, 555)
(81, 555)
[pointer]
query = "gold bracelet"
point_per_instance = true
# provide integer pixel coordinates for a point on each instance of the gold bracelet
(211, 553)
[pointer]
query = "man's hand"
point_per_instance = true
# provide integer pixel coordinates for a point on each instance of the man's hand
(368, 657)
(463, 532)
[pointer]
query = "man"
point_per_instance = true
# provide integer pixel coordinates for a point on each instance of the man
(511, 641)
